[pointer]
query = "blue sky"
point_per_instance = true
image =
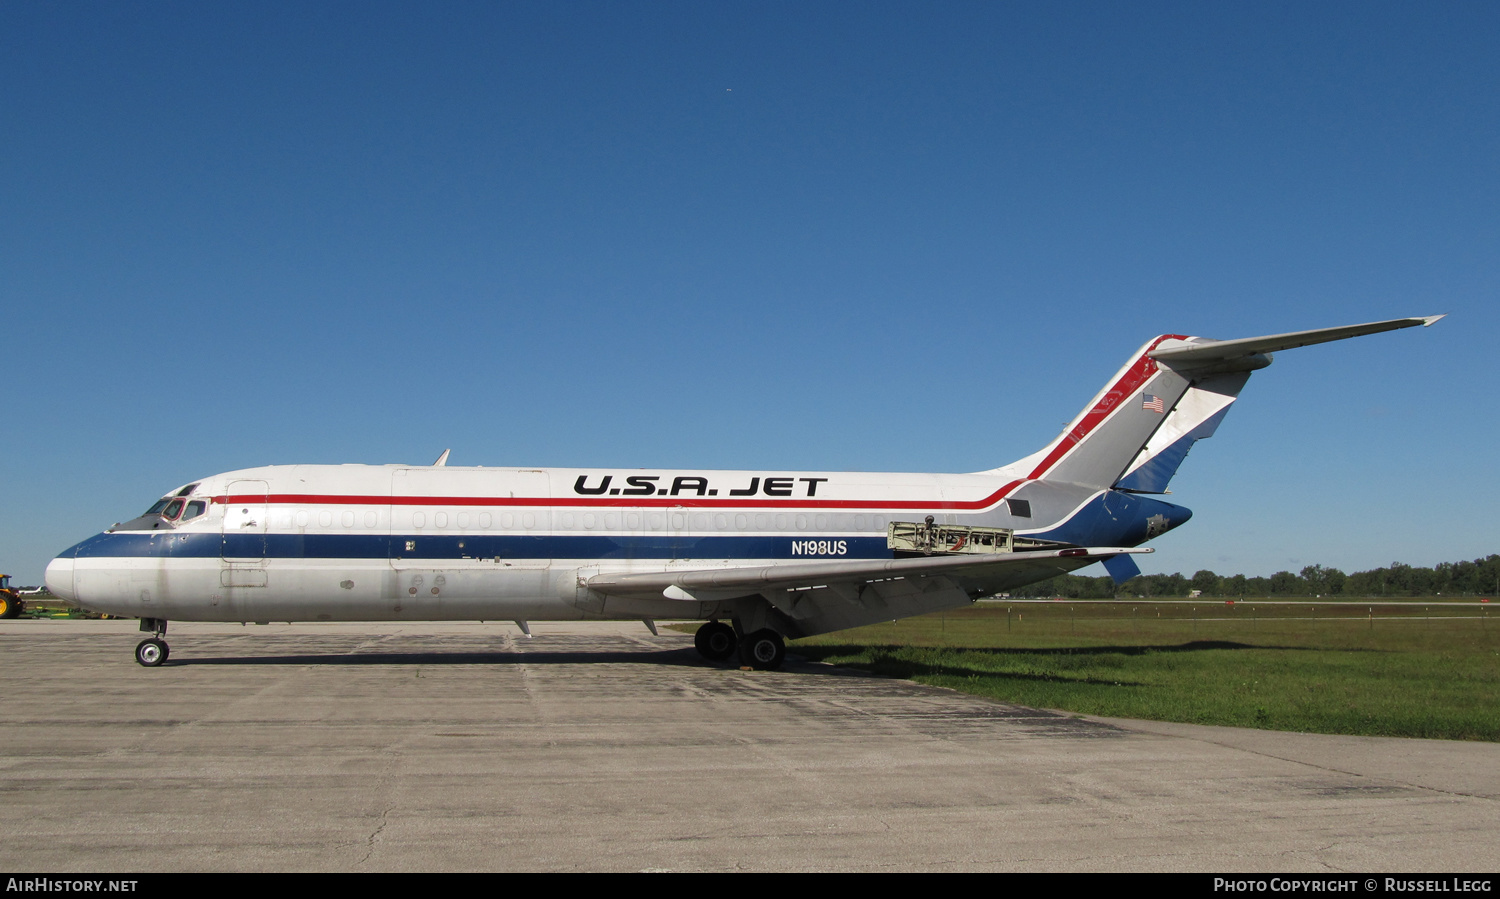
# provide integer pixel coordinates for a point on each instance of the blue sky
(847, 236)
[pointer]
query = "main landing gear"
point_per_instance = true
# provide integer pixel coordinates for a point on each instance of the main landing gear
(715, 641)
(763, 650)
(152, 651)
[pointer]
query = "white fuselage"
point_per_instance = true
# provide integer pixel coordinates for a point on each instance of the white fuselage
(358, 542)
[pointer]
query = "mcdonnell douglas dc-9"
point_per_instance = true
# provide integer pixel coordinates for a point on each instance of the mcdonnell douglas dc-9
(759, 556)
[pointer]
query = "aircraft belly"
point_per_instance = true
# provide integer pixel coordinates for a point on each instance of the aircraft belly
(317, 590)
(445, 592)
(370, 590)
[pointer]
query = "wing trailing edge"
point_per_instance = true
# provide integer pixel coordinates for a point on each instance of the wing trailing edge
(798, 574)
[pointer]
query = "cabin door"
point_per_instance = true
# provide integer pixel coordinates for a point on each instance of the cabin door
(243, 535)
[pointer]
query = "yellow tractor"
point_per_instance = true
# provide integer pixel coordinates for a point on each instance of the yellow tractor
(11, 605)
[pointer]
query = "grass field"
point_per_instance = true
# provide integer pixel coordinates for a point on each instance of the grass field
(1417, 668)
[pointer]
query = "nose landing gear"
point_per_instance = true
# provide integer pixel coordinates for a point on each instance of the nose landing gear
(152, 651)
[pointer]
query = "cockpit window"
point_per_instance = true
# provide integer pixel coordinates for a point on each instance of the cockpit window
(187, 491)
(167, 512)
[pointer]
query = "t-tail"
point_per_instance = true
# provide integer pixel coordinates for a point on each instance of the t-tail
(1173, 392)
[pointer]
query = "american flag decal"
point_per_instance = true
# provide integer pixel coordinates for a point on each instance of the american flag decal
(1151, 402)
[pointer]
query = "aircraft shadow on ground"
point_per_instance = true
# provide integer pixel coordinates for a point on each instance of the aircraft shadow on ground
(674, 657)
(1194, 646)
(906, 668)
(686, 657)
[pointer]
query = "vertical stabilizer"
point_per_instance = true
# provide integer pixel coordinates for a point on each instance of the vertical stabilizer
(1110, 432)
(1172, 393)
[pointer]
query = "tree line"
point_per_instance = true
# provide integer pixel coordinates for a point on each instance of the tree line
(1480, 577)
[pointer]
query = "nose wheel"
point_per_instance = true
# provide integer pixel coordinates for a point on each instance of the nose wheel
(151, 652)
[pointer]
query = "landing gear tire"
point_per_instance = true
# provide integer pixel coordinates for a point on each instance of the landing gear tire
(763, 650)
(151, 653)
(715, 641)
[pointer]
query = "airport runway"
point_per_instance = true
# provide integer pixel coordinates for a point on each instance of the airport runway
(600, 747)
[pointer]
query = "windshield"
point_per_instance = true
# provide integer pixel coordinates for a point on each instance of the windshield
(169, 511)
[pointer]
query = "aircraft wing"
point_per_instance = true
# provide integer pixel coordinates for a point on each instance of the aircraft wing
(795, 574)
(832, 595)
(1220, 350)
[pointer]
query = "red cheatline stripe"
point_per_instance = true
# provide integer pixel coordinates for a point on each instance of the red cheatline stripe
(1135, 377)
(1139, 372)
(316, 499)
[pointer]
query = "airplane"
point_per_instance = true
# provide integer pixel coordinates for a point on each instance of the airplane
(759, 556)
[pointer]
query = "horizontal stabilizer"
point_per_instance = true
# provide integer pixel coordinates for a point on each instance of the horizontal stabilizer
(1206, 351)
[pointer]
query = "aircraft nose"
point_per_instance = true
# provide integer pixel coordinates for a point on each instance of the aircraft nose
(59, 577)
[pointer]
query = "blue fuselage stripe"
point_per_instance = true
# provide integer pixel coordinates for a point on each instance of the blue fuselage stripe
(1113, 518)
(471, 546)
